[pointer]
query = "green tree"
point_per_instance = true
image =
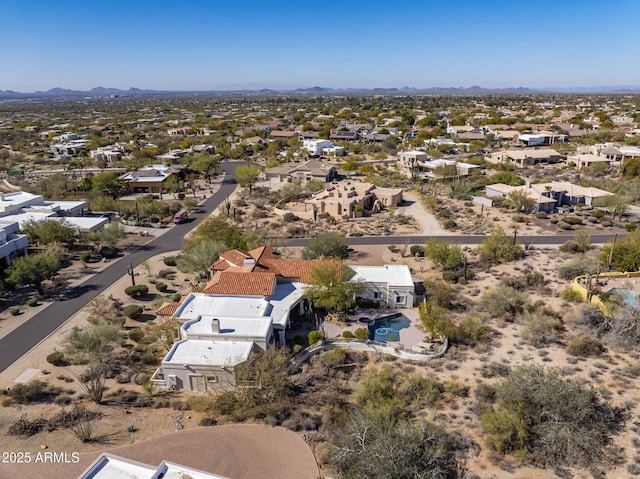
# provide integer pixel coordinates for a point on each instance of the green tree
(447, 255)
(247, 176)
(206, 165)
(372, 446)
(326, 245)
(626, 253)
(173, 185)
(112, 234)
(219, 229)
(504, 302)
(617, 205)
(50, 231)
(499, 248)
(507, 177)
(32, 270)
(330, 286)
(200, 256)
(521, 202)
(106, 183)
(550, 419)
(95, 341)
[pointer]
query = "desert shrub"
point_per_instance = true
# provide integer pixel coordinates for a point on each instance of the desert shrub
(527, 280)
(472, 331)
(367, 303)
(136, 291)
(447, 255)
(577, 267)
(348, 335)
(136, 335)
(56, 358)
(23, 427)
(132, 311)
(108, 252)
(289, 217)
(161, 287)
(297, 348)
(449, 224)
(175, 297)
(570, 294)
(455, 387)
(495, 369)
(541, 215)
(417, 250)
(504, 302)
(30, 392)
(539, 328)
(166, 273)
(625, 254)
(14, 311)
(450, 276)
(630, 227)
(499, 248)
(169, 260)
(550, 420)
(362, 334)
(208, 421)
(85, 257)
(572, 220)
(334, 357)
(585, 346)
(315, 336)
(32, 302)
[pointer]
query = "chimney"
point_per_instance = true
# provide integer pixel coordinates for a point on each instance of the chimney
(249, 262)
(215, 326)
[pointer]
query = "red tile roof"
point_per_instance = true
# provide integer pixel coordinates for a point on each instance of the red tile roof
(229, 282)
(167, 309)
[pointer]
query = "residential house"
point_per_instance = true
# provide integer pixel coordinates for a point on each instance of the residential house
(587, 159)
(316, 147)
(344, 199)
(525, 157)
(303, 172)
(12, 243)
(391, 285)
(251, 300)
(148, 179)
(542, 138)
(341, 135)
(408, 161)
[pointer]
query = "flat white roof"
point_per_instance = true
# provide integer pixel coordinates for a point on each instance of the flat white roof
(201, 304)
(68, 205)
(175, 471)
(392, 274)
(201, 352)
(82, 223)
(111, 467)
(17, 198)
(229, 327)
(283, 298)
(22, 218)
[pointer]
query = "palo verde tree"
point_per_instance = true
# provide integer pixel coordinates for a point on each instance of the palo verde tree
(326, 245)
(330, 286)
(499, 248)
(33, 270)
(199, 255)
(247, 176)
(50, 231)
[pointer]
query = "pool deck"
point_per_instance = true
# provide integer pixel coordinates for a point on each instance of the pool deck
(619, 283)
(409, 337)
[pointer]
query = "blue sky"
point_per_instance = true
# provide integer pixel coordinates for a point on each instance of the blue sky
(211, 44)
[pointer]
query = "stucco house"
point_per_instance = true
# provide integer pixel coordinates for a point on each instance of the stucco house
(303, 172)
(392, 285)
(525, 157)
(148, 179)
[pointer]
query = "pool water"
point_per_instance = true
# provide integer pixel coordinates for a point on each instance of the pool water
(628, 296)
(388, 329)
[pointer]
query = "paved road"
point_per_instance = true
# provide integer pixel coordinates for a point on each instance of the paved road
(22, 339)
(477, 239)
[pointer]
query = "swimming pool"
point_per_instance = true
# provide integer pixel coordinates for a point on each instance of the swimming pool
(629, 296)
(388, 329)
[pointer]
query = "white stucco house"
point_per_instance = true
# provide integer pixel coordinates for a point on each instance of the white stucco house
(392, 285)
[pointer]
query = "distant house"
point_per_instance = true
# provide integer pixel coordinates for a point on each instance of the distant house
(408, 160)
(551, 195)
(148, 179)
(341, 135)
(416, 164)
(344, 199)
(303, 172)
(587, 159)
(286, 134)
(316, 147)
(525, 157)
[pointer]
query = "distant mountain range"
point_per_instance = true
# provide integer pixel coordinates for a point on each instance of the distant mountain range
(100, 92)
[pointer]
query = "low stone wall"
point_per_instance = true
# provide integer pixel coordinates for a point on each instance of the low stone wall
(369, 346)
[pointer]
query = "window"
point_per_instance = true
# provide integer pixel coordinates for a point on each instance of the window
(400, 299)
(212, 379)
(377, 295)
